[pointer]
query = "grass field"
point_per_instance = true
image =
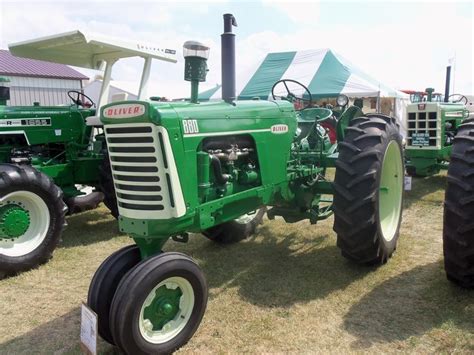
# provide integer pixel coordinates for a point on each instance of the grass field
(286, 290)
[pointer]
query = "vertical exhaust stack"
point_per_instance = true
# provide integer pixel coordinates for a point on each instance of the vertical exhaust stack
(448, 82)
(228, 59)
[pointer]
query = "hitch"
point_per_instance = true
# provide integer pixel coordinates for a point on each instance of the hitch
(181, 238)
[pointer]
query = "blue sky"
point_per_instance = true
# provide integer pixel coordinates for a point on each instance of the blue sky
(403, 44)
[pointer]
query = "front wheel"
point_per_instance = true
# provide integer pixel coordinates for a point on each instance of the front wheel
(105, 282)
(369, 189)
(236, 230)
(31, 218)
(158, 305)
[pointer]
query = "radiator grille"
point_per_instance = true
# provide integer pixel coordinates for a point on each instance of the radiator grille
(144, 182)
(423, 130)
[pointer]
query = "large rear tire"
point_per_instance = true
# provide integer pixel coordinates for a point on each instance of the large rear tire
(369, 189)
(236, 230)
(458, 229)
(105, 282)
(31, 218)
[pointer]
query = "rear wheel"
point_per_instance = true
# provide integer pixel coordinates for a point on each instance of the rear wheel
(368, 189)
(458, 229)
(158, 305)
(105, 282)
(31, 218)
(236, 230)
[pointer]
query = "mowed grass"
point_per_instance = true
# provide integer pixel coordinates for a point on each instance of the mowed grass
(286, 290)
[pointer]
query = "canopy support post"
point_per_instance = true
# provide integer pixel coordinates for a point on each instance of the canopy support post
(142, 92)
(104, 90)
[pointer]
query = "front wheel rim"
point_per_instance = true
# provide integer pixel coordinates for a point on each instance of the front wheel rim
(163, 316)
(39, 221)
(390, 191)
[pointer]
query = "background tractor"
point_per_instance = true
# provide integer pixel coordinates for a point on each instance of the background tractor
(433, 121)
(214, 167)
(46, 152)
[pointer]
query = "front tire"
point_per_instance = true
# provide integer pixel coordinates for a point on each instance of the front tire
(458, 228)
(105, 282)
(236, 230)
(31, 218)
(158, 305)
(368, 190)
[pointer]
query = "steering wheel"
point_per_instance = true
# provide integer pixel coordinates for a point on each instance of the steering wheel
(78, 101)
(458, 98)
(302, 101)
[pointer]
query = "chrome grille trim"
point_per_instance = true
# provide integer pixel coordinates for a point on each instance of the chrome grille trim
(160, 195)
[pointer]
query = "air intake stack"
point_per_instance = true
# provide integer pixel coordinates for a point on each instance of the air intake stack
(228, 59)
(195, 65)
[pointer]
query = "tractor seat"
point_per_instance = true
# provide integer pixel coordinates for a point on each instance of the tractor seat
(308, 117)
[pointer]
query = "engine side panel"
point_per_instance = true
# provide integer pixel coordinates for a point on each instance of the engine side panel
(197, 130)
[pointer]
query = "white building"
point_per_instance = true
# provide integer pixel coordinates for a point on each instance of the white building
(118, 90)
(38, 81)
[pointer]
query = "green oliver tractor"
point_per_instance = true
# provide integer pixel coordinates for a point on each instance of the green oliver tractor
(458, 230)
(432, 125)
(214, 168)
(48, 152)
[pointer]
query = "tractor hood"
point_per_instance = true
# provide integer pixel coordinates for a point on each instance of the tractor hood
(159, 113)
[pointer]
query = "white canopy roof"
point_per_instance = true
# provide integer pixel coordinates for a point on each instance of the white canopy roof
(87, 50)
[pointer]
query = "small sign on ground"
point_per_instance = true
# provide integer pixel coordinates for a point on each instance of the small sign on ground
(88, 330)
(407, 183)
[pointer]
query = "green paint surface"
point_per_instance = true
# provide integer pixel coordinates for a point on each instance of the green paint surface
(286, 173)
(164, 307)
(63, 137)
(14, 221)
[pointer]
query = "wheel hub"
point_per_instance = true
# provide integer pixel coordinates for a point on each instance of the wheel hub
(163, 308)
(14, 221)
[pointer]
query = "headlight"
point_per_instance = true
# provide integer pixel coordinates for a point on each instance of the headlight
(342, 100)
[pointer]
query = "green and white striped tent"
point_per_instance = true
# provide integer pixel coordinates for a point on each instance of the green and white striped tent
(324, 72)
(207, 94)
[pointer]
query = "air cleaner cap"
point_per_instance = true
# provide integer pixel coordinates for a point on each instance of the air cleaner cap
(195, 49)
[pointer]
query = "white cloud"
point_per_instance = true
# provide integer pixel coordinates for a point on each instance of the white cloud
(401, 54)
(300, 12)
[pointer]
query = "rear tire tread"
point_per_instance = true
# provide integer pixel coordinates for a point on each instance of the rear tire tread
(362, 150)
(458, 229)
